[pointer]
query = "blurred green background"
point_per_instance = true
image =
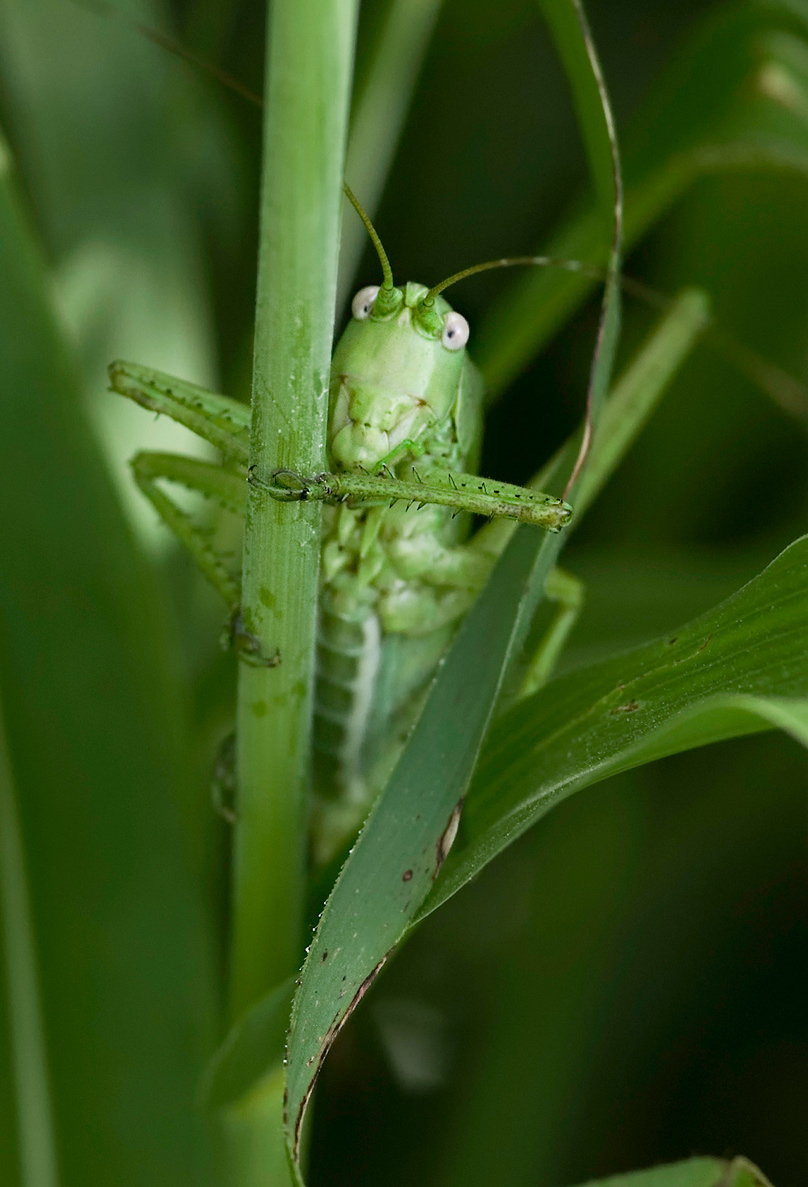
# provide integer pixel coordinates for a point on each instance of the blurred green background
(627, 985)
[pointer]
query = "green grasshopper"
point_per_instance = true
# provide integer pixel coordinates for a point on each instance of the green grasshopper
(398, 569)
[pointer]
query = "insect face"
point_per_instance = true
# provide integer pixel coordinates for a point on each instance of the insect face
(395, 375)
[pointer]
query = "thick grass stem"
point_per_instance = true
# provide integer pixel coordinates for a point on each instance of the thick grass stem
(308, 79)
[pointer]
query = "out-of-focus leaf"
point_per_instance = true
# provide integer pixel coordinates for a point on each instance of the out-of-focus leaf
(735, 98)
(696, 1172)
(386, 77)
(404, 844)
(564, 19)
(739, 668)
(96, 740)
(101, 121)
(252, 1050)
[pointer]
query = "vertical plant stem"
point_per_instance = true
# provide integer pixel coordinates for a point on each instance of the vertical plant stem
(311, 45)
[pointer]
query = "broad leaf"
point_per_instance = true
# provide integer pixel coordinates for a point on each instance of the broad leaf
(695, 1172)
(739, 668)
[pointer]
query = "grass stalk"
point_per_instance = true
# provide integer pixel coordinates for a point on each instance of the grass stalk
(311, 45)
(35, 1129)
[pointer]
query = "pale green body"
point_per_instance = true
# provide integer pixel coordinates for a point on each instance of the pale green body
(394, 579)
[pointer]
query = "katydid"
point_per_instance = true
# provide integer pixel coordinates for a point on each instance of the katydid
(398, 570)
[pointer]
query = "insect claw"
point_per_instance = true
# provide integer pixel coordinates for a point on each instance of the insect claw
(417, 475)
(454, 484)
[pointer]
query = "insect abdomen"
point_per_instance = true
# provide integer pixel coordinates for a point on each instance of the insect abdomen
(369, 689)
(348, 656)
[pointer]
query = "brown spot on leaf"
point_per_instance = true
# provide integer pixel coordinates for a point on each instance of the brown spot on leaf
(326, 1045)
(447, 837)
(405, 877)
(631, 707)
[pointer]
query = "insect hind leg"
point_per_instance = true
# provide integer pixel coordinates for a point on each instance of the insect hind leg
(150, 470)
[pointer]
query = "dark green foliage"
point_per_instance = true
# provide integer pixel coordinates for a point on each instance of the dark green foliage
(624, 986)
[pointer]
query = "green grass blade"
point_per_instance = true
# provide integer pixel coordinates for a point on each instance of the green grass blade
(573, 40)
(640, 388)
(739, 668)
(30, 1108)
(94, 718)
(385, 83)
(402, 847)
(310, 57)
(306, 115)
(628, 408)
(595, 121)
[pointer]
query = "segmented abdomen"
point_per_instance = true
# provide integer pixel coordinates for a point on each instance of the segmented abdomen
(348, 660)
(370, 686)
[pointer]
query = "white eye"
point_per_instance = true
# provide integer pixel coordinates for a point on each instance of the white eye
(363, 302)
(455, 331)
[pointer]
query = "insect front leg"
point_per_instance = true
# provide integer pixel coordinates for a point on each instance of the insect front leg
(408, 448)
(224, 422)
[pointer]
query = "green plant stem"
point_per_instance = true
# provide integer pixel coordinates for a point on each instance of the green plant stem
(308, 78)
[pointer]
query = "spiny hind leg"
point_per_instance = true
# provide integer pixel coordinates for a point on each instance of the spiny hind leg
(568, 593)
(210, 480)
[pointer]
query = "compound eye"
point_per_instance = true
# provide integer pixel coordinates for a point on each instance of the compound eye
(363, 302)
(455, 331)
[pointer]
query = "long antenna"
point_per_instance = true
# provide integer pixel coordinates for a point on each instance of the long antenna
(514, 262)
(371, 230)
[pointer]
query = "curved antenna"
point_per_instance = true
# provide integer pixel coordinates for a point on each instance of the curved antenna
(514, 262)
(371, 230)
